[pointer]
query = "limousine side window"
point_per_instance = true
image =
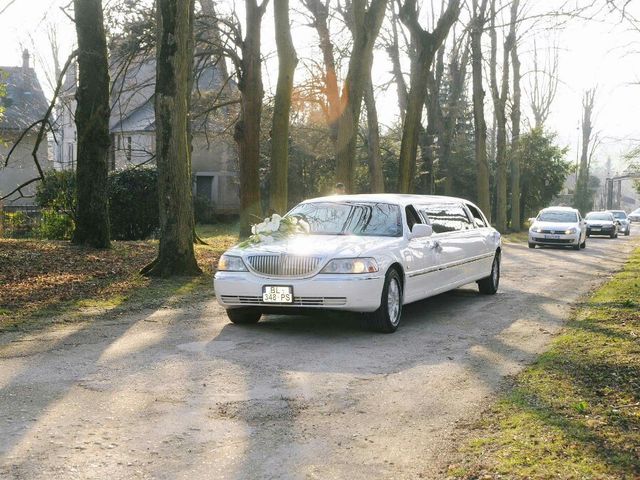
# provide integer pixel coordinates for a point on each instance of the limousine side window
(478, 220)
(446, 218)
(412, 217)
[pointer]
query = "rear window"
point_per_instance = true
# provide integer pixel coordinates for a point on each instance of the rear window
(445, 217)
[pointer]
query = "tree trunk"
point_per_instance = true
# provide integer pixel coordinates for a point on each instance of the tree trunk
(287, 61)
(426, 46)
(480, 124)
(92, 124)
(367, 24)
(376, 176)
(247, 130)
(174, 57)
(499, 94)
(515, 125)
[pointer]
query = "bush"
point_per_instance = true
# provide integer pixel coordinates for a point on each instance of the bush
(133, 203)
(54, 225)
(203, 210)
(57, 192)
(16, 224)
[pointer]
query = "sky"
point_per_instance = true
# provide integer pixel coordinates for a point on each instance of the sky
(592, 53)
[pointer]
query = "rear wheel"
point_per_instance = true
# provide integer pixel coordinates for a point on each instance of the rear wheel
(387, 317)
(489, 285)
(244, 316)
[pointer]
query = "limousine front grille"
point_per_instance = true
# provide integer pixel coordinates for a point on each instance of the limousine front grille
(283, 265)
(297, 301)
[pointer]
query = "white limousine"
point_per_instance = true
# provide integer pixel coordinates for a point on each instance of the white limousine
(361, 253)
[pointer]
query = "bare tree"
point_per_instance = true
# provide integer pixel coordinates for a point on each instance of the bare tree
(478, 24)
(582, 196)
(366, 25)
(544, 85)
(247, 130)
(426, 45)
(515, 120)
(174, 70)
(287, 61)
(92, 123)
(500, 93)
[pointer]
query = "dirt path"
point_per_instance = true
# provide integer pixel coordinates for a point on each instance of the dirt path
(182, 393)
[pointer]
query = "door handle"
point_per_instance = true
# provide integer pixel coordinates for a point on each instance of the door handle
(435, 245)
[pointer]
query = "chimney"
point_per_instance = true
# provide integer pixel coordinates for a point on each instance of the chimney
(25, 68)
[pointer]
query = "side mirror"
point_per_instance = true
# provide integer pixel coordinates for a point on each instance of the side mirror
(421, 230)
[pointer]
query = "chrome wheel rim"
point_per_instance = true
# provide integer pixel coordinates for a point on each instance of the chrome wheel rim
(393, 301)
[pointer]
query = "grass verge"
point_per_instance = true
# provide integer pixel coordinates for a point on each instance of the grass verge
(574, 413)
(44, 279)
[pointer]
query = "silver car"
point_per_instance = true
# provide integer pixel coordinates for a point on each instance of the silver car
(624, 224)
(558, 226)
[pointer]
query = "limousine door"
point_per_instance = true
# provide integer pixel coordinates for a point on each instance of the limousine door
(420, 262)
(461, 246)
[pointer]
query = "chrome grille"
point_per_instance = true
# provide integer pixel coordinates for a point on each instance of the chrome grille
(284, 265)
(297, 301)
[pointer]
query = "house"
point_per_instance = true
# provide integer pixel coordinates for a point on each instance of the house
(214, 158)
(24, 104)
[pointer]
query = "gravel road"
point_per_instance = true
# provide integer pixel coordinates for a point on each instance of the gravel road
(181, 393)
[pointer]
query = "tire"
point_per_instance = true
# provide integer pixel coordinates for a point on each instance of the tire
(532, 245)
(576, 246)
(584, 243)
(626, 234)
(387, 317)
(489, 285)
(613, 235)
(244, 316)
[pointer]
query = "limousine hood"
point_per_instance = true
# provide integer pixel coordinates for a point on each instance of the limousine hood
(326, 246)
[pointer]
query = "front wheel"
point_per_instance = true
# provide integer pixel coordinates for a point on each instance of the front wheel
(387, 317)
(244, 316)
(584, 243)
(532, 245)
(489, 285)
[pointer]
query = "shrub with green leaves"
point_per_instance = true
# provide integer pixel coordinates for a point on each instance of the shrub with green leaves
(133, 203)
(54, 225)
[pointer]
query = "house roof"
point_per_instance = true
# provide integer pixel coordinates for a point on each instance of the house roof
(132, 107)
(24, 102)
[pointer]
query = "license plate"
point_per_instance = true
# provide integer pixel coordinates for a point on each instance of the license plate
(596, 229)
(552, 236)
(277, 294)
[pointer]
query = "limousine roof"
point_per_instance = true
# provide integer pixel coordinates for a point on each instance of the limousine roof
(396, 198)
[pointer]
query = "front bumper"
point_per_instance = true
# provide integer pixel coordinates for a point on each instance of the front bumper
(355, 293)
(604, 230)
(554, 239)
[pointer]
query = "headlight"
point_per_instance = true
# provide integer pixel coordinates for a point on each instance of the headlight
(351, 265)
(230, 263)
(536, 229)
(571, 230)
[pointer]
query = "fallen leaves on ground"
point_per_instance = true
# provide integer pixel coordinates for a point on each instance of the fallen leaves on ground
(39, 276)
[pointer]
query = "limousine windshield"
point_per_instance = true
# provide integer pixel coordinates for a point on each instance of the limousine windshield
(351, 218)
